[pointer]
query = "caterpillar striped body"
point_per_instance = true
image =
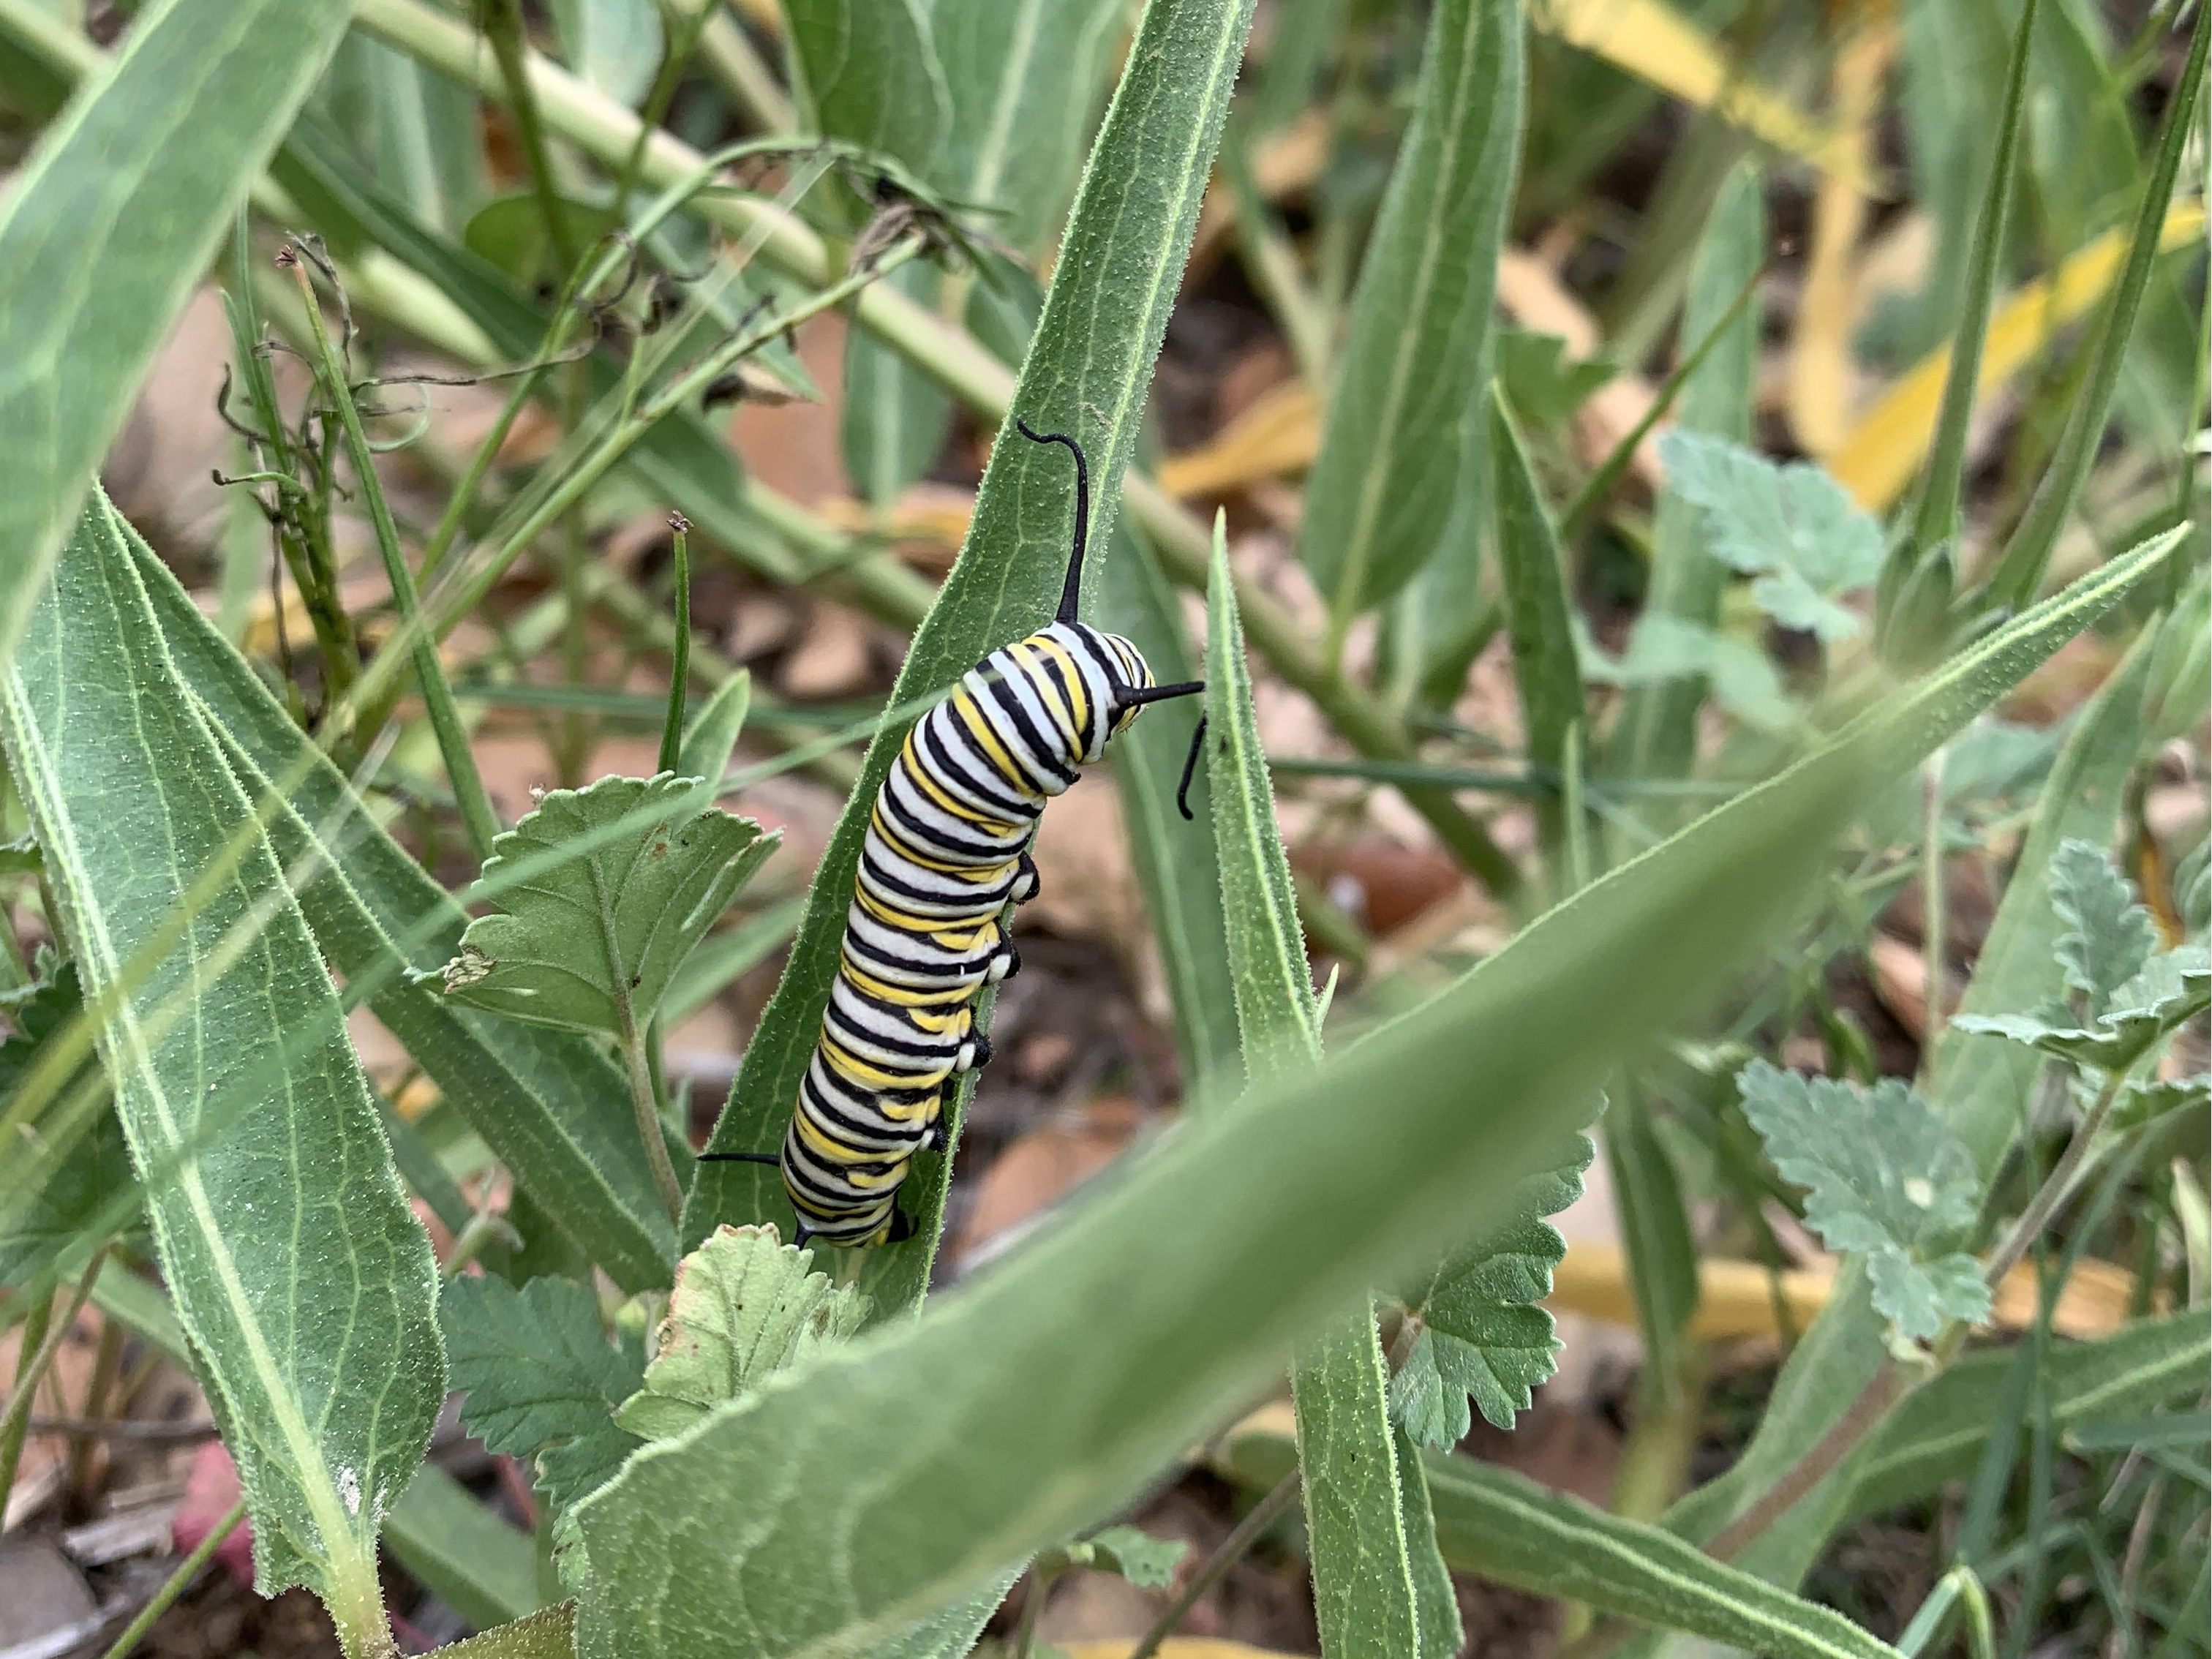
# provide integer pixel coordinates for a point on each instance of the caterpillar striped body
(946, 851)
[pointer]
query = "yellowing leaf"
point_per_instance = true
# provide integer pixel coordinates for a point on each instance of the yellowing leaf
(1278, 432)
(1882, 453)
(1656, 43)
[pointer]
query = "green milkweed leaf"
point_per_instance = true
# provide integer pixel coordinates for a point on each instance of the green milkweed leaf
(1543, 387)
(745, 1305)
(872, 75)
(1794, 528)
(1481, 1333)
(1885, 1179)
(305, 1281)
(76, 1194)
(616, 45)
(711, 736)
(111, 220)
(542, 1379)
(591, 942)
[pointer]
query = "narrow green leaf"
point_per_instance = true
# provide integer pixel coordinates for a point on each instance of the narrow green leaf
(1481, 1333)
(1976, 1082)
(1792, 527)
(1939, 1432)
(894, 418)
(872, 75)
(1537, 613)
(1436, 1598)
(816, 1517)
(711, 736)
(1104, 320)
(591, 942)
(541, 1378)
(1885, 1180)
(1655, 736)
(1498, 1525)
(462, 1552)
(418, 133)
(745, 1305)
(1654, 1234)
(306, 1283)
(546, 1103)
(113, 220)
(1936, 517)
(2020, 573)
(1384, 487)
(1363, 1573)
(1182, 893)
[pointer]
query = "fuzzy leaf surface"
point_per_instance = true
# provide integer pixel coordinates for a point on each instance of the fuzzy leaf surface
(1883, 1179)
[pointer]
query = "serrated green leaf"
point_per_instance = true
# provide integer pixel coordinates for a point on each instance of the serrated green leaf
(1664, 650)
(306, 1283)
(1657, 735)
(2146, 1100)
(1363, 1572)
(591, 943)
(1542, 385)
(1145, 1561)
(1384, 487)
(2171, 990)
(540, 1098)
(1113, 287)
(1483, 1335)
(616, 45)
(112, 219)
(75, 1194)
(542, 1380)
(745, 1305)
(1792, 527)
(1883, 1179)
(2108, 936)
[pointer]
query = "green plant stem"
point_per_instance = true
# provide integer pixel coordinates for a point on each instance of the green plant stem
(630, 1032)
(177, 1583)
(476, 814)
(42, 1340)
(956, 361)
(1231, 1550)
(108, 1364)
(1959, 1584)
(1032, 1610)
(510, 49)
(1883, 1389)
(679, 670)
(2057, 1186)
(737, 64)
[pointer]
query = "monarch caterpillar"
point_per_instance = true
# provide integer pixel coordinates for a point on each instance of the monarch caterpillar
(946, 851)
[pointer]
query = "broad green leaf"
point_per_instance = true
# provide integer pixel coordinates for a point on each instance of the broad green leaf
(745, 1305)
(544, 1635)
(419, 135)
(616, 45)
(306, 1285)
(711, 738)
(1885, 1180)
(542, 1379)
(1665, 651)
(1537, 619)
(2146, 1100)
(2108, 935)
(1025, 77)
(1938, 1432)
(1792, 527)
(2019, 575)
(871, 73)
(591, 942)
(1384, 485)
(73, 1197)
(1976, 1082)
(1498, 1525)
(1656, 733)
(1480, 1331)
(1145, 1561)
(546, 1103)
(112, 220)
(485, 1568)
(1183, 892)
(1363, 1572)
(902, 1472)
(1542, 387)
(1113, 284)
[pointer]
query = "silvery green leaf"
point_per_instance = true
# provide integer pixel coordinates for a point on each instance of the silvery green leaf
(2109, 936)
